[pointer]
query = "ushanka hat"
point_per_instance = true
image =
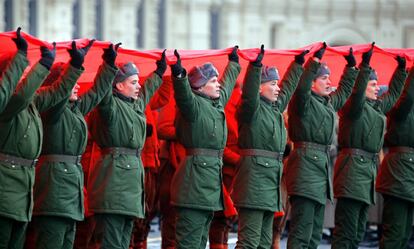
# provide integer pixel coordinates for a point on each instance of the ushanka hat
(373, 75)
(125, 70)
(199, 75)
(269, 74)
(323, 69)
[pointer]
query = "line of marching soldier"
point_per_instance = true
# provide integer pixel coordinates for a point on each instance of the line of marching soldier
(220, 156)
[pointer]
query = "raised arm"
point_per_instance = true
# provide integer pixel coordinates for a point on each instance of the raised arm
(347, 82)
(60, 90)
(355, 103)
(25, 91)
(290, 80)
(250, 97)
(14, 70)
(406, 102)
(103, 81)
(302, 94)
(396, 85)
(183, 95)
(154, 80)
(228, 81)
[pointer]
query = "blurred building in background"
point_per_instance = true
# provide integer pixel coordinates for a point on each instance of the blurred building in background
(205, 24)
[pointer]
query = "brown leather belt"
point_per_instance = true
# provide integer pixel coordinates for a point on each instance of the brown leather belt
(359, 152)
(57, 158)
(401, 149)
(263, 153)
(204, 152)
(121, 151)
(14, 160)
(310, 145)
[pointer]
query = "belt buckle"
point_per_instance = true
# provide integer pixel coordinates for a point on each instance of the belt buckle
(34, 162)
(78, 159)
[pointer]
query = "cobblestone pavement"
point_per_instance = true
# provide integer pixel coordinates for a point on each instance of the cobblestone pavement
(154, 242)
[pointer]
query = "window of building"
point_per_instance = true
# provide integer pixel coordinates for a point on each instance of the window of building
(8, 15)
(140, 24)
(76, 19)
(273, 35)
(161, 23)
(99, 20)
(33, 17)
(214, 27)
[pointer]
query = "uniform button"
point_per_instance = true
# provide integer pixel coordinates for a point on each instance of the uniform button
(215, 127)
(315, 157)
(66, 170)
(128, 166)
(28, 127)
(362, 159)
(25, 136)
(410, 159)
(13, 166)
(266, 164)
(204, 163)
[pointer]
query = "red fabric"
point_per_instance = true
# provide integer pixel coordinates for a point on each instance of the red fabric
(166, 129)
(382, 59)
(231, 154)
(279, 214)
(162, 95)
(149, 154)
(229, 209)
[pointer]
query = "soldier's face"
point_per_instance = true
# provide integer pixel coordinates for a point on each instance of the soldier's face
(322, 85)
(130, 87)
(74, 94)
(211, 88)
(270, 90)
(372, 90)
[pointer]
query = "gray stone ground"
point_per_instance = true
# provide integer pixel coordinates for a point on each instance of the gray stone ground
(154, 240)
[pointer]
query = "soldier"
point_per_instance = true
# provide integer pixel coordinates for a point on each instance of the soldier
(116, 183)
(262, 142)
(13, 71)
(360, 139)
(201, 129)
(58, 188)
(395, 177)
(150, 160)
(222, 222)
(311, 127)
(13, 229)
(21, 134)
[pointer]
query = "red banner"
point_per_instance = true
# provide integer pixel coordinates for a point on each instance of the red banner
(382, 60)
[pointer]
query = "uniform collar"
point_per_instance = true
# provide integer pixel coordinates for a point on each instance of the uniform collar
(122, 97)
(323, 99)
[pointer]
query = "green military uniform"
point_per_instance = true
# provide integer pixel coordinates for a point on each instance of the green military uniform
(311, 127)
(262, 140)
(201, 128)
(58, 188)
(21, 135)
(10, 77)
(116, 183)
(396, 175)
(8, 82)
(360, 138)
